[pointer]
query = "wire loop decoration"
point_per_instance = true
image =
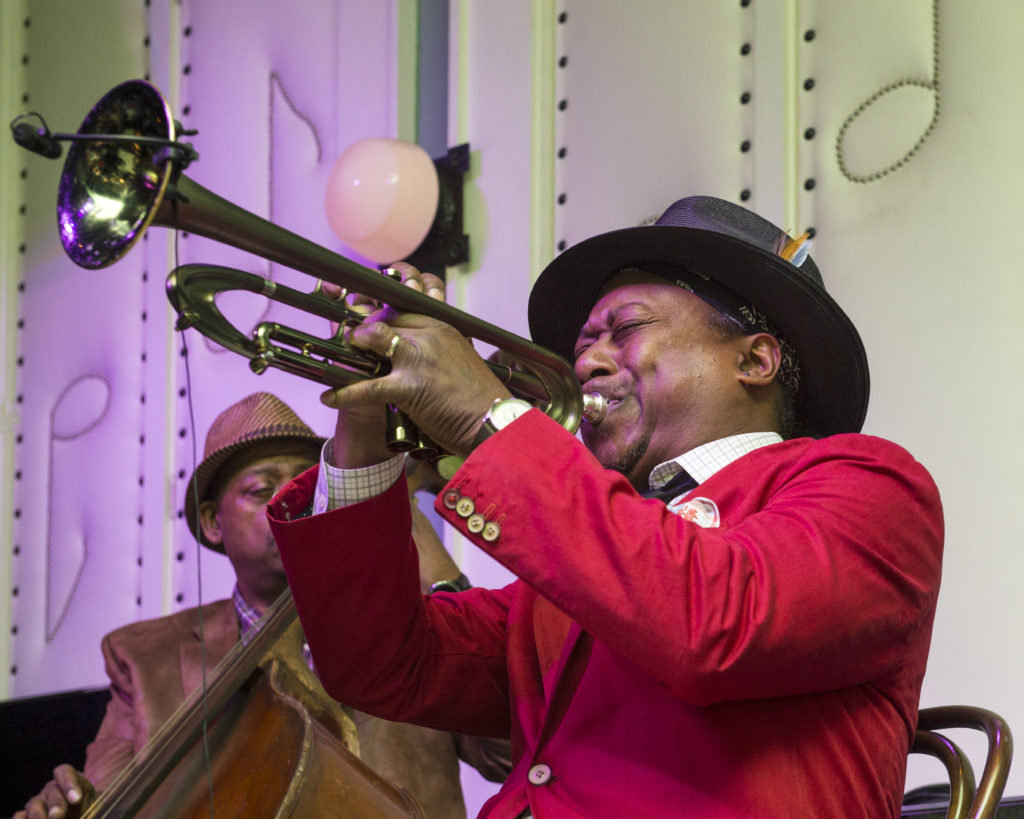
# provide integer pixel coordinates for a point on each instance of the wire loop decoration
(933, 85)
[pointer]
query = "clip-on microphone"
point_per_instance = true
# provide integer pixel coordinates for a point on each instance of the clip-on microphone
(41, 141)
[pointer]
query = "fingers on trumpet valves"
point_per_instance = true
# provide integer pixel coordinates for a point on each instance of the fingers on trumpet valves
(408, 275)
(330, 290)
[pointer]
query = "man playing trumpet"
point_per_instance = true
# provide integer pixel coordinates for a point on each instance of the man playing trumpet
(750, 643)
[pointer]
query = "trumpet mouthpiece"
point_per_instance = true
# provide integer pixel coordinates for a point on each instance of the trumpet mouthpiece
(595, 406)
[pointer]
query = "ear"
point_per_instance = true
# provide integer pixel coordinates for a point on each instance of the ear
(759, 360)
(210, 522)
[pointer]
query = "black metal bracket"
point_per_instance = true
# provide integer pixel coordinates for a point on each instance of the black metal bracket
(445, 243)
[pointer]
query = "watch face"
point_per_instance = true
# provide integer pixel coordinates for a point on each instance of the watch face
(505, 412)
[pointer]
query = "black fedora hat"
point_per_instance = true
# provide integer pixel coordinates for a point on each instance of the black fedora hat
(738, 250)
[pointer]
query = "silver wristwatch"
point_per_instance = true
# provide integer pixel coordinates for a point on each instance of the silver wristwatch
(502, 413)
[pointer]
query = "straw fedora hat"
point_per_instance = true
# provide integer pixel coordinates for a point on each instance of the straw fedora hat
(255, 419)
(738, 251)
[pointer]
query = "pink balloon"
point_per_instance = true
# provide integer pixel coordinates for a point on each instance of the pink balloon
(381, 198)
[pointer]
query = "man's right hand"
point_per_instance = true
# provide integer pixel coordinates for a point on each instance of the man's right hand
(65, 796)
(360, 433)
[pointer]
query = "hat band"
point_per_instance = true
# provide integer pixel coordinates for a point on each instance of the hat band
(733, 306)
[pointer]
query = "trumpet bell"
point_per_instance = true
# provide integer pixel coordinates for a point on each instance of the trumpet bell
(110, 191)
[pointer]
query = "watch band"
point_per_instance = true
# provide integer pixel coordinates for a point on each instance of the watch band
(458, 584)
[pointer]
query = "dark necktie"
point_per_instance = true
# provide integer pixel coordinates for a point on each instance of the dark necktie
(681, 483)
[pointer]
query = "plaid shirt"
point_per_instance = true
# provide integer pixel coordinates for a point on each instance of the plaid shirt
(250, 621)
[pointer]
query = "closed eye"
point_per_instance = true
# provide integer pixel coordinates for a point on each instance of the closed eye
(627, 328)
(261, 492)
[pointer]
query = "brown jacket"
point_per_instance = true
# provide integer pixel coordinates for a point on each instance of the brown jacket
(155, 664)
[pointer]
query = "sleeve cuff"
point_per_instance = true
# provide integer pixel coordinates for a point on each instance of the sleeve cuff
(337, 487)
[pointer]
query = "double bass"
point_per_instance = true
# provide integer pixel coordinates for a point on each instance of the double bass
(261, 739)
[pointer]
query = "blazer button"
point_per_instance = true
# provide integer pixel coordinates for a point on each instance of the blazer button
(491, 531)
(451, 497)
(465, 507)
(475, 523)
(539, 774)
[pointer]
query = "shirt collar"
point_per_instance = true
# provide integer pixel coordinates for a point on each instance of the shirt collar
(704, 461)
(248, 617)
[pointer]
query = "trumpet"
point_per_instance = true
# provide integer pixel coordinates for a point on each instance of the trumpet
(123, 174)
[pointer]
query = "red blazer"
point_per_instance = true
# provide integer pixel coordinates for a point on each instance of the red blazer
(645, 665)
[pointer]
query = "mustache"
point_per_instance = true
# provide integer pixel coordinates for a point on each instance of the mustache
(612, 388)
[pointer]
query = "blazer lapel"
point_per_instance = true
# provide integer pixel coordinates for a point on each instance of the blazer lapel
(220, 627)
(563, 649)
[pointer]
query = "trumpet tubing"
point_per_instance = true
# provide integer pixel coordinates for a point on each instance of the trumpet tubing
(152, 191)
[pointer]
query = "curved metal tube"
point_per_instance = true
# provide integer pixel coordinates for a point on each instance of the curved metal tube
(111, 192)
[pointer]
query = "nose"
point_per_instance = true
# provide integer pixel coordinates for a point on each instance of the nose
(597, 360)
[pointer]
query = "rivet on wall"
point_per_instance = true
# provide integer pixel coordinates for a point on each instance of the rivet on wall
(563, 104)
(809, 132)
(748, 77)
(22, 251)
